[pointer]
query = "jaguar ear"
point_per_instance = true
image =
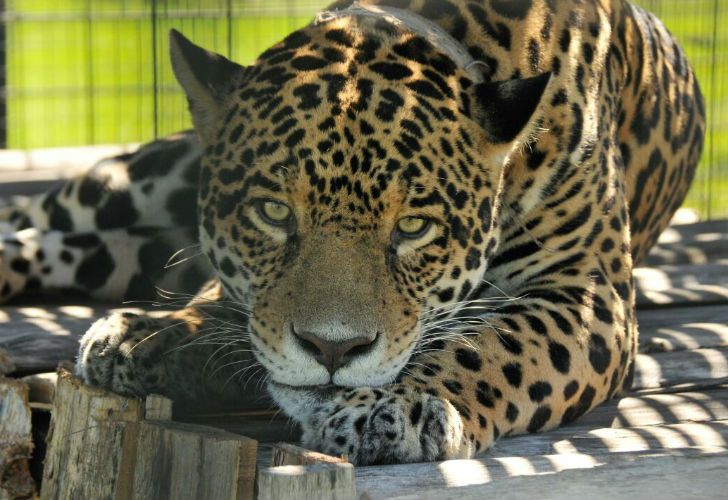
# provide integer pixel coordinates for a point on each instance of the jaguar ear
(504, 108)
(207, 79)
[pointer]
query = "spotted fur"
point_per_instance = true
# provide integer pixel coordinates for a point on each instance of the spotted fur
(544, 180)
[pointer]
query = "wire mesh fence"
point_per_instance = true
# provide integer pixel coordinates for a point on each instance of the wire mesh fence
(76, 72)
(97, 71)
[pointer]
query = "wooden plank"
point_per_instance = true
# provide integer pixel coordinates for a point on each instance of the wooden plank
(657, 409)
(688, 284)
(37, 338)
(601, 447)
(702, 251)
(322, 481)
(288, 454)
(697, 243)
(58, 162)
(673, 368)
(16, 443)
(677, 329)
(691, 473)
(630, 412)
(694, 231)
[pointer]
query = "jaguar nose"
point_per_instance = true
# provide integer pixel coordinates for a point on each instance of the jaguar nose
(331, 354)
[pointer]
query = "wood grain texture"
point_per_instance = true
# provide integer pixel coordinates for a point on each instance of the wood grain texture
(157, 407)
(629, 412)
(102, 447)
(696, 243)
(6, 364)
(596, 449)
(682, 328)
(679, 473)
(16, 444)
(37, 338)
(681, 285)
(289, 454)
(331, 481)
(92, 442)
(184, 461)
(674, 368)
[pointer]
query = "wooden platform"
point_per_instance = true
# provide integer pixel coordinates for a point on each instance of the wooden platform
(668, 438)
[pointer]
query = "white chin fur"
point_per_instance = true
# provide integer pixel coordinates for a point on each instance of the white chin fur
(296, 402)
(360, 378)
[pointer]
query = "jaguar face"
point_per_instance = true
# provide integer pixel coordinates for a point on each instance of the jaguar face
(349, 193)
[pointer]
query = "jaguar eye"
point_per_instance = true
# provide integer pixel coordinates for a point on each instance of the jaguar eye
(412, 227)
(274, 212)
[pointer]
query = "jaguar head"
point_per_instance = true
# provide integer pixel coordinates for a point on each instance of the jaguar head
(349, 192)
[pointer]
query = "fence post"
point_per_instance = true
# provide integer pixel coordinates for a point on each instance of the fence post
(3, 79)
(155, 70)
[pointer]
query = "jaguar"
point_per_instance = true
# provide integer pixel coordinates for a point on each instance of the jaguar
(415, 221)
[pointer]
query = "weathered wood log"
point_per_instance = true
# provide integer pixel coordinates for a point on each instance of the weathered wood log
(91, 430)
(16, 443)
(176, 460)
(101, 446)
(6, 364)
(42, 387)
(157, 407)
(321, 481)
(288, 454)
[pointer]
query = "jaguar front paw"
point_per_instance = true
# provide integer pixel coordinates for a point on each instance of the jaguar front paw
(120, 353)
(387, 425)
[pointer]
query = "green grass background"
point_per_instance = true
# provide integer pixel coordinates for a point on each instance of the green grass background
(84, 72)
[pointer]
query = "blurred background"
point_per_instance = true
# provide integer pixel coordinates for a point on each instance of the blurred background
(90, 72)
